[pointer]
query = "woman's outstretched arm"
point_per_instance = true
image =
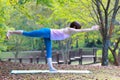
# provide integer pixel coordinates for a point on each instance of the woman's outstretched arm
(72, 30)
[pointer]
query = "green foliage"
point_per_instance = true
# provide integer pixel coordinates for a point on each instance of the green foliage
(21, 2)
(71, 11)
(110, 56)
(4, 17)
(116, 33)
(45, 2)
(2, 37)
(115, 36)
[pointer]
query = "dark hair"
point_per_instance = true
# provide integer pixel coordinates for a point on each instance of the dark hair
(75, 25)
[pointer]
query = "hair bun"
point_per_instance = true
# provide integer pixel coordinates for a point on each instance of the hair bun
(75, 25)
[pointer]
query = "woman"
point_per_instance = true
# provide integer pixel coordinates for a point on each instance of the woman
(53, 34)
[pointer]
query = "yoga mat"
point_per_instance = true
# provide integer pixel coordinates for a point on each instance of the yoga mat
(47, 71)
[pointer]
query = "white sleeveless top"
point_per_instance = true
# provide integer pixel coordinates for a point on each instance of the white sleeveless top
(58, 34)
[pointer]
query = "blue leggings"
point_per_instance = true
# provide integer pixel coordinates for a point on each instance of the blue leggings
(43, 33)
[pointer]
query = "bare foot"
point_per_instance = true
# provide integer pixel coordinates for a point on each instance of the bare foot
(53, 69)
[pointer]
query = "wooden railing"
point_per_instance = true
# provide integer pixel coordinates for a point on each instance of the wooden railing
(28, 60)
(74, 55)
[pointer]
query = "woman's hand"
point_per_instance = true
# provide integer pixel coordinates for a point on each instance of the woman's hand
(95, 27)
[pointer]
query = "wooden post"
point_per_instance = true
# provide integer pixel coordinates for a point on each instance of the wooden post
(45, 59)
(80, 55)
(20, 60)
(9, 59)
(94, 53)
(37, 59)
(57, 54)
(31, 59)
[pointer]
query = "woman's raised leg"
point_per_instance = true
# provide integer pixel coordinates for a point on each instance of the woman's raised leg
(44, 33)
(9, 33)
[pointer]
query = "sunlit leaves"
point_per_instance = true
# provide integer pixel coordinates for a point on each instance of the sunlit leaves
(23, 1)
(4, 16)
(71, 10)
(20, 6)
(45, 2)
(4, 10)
(115, 35)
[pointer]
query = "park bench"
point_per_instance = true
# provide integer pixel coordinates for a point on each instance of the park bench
(60, 59)
(89, 53)
(80, 54)
(75, 55)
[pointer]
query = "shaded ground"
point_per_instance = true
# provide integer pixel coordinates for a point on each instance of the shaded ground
(99, 72)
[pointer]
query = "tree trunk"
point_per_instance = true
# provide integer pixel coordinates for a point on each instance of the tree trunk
(67, 50)
(106, 43)
(119, 57)
(115, 57)
(61, 48)
(16, 56)
(17, 51)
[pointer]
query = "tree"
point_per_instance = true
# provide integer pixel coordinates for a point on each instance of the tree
(106, 14)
